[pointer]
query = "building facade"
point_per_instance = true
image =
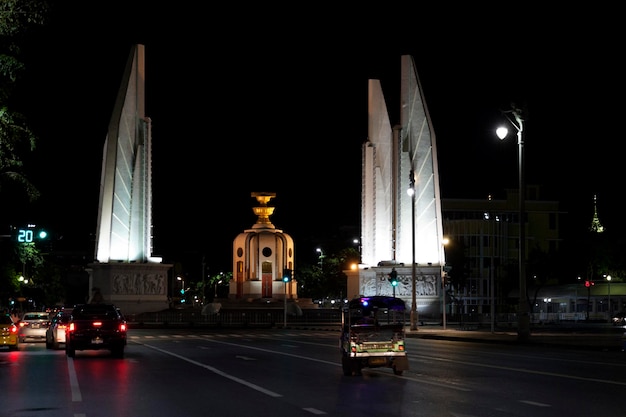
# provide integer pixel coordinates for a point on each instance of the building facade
(487, 232)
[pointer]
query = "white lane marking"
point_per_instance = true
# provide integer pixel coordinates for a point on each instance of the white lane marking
(528, 371)
(535, 403)
(76, 395)
(314, 411)
(217, 371)
(273, 351)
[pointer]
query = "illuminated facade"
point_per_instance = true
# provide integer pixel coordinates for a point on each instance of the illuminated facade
(125, 272)
(391, 236)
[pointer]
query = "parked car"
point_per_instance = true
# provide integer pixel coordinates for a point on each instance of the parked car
(55, 335)
(8, 332)
(33, 325)
(94, 327)
(619, 319)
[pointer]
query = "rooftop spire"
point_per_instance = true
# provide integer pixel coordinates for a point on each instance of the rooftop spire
(595, 222)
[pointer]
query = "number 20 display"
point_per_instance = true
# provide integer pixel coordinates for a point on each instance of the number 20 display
(24, 236)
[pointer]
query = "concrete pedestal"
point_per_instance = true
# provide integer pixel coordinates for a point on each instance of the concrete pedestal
(133, 287)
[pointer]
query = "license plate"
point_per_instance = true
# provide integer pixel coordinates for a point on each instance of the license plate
(35, 326)
(97, 341)
(378, 361)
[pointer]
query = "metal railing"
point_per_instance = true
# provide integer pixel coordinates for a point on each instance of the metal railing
(235, 318)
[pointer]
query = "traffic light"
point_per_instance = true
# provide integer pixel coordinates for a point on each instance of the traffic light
(28, 235)
(393, 277)
(286, 275)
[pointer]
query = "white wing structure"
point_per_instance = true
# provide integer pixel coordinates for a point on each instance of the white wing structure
(124, 232)
(390, 155)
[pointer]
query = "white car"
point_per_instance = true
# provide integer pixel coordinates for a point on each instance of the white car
(55, 335)
(33, 325)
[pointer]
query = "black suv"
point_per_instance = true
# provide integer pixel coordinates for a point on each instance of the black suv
(95, 327)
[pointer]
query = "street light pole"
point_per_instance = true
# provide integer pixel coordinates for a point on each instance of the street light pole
(321, 257)
(608, 279)
(523, 324)
(358, 243)
(411, 192)
(444, 242)
(183, 284)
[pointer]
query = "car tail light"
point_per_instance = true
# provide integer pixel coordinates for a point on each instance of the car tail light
(24, 324)
(123, 327)
(96, 324)
(13, 329)
(71, 327)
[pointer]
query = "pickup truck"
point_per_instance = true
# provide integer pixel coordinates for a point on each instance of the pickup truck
(373, 334)
(94, 327)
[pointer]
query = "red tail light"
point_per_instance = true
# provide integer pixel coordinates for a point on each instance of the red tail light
(96, 324)
(123, 327)
(14, 329)
(72, 327)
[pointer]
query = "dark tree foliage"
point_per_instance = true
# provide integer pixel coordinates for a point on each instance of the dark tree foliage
(326, 279)
(16, 138)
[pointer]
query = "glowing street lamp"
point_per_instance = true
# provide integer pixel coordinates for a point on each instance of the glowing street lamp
(321, 256)
(523, 324)
(358, 243)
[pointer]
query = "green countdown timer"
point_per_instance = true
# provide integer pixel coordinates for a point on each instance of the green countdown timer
(28, 235)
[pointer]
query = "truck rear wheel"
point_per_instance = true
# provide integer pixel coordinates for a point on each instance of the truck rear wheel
(350, 366)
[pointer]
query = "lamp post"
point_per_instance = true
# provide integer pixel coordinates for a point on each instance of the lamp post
(608, 279)
(183, 284)
(444, 242)
(411, 192)
(523, 323)
(547, 301)
(576, 300)
(285, 279)
(358, 243)
(321, 257)
(491, 232)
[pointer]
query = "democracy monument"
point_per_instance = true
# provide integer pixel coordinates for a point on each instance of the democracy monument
(399, 229)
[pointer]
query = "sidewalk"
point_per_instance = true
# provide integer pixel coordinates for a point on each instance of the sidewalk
(593, 337)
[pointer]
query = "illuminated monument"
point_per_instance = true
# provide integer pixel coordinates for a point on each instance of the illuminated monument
(393, 232)
(125, 271)
(262, 256)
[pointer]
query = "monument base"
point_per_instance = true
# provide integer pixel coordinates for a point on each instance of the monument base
(133, 287)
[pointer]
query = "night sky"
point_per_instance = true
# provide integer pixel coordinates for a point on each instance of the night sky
(275, 100)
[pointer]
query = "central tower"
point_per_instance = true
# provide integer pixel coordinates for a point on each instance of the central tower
(261, 257)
